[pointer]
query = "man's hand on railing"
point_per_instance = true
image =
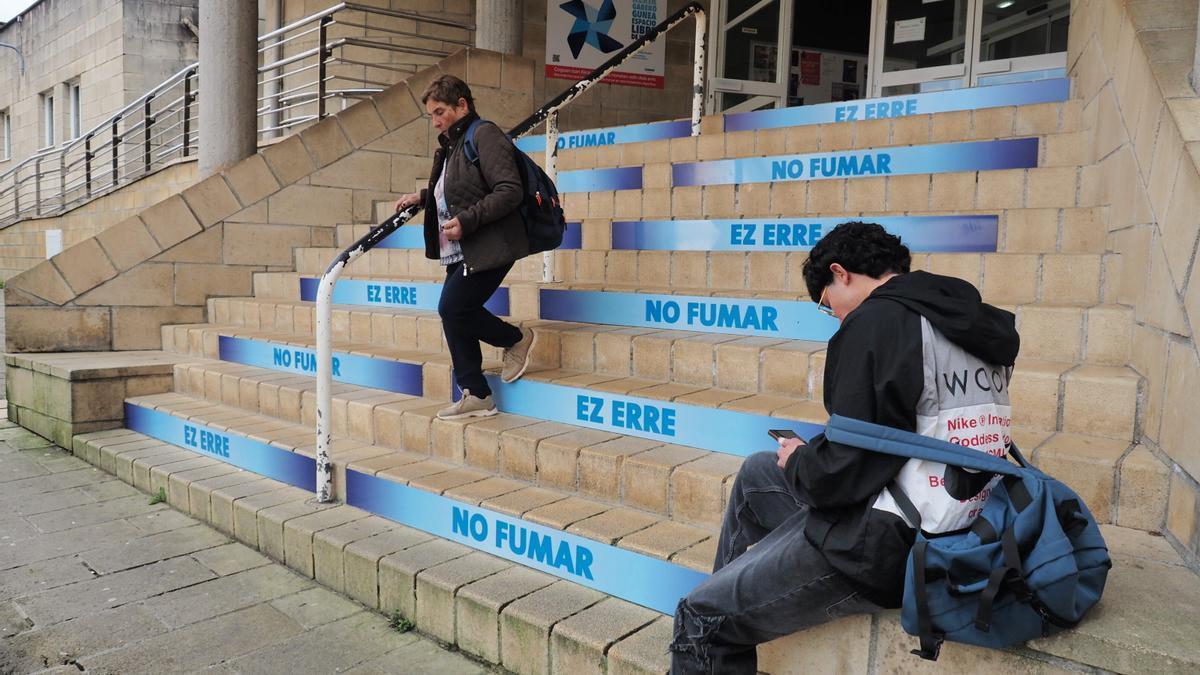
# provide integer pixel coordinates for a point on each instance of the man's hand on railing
(411, 199)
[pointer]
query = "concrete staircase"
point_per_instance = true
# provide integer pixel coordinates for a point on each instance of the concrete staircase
(1076, 406)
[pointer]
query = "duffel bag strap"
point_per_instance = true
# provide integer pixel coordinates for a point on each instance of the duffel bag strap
(931, 642)
(1010, 575)
(893, 441)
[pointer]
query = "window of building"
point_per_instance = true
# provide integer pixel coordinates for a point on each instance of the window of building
(5, 135)
(76, 118)
(47, 120)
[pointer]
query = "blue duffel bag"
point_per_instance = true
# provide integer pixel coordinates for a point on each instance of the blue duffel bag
(1032, 564)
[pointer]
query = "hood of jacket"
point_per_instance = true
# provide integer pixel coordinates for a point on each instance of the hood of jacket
(955, 308)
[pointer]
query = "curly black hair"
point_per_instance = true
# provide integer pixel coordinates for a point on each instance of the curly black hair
(862, 248)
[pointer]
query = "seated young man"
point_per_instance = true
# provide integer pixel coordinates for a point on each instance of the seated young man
(916, 351)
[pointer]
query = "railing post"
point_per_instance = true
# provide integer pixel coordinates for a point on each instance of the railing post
(87, 165)
(187, 112)
(324, 335)
(552, 172)
(698, 74)
(321, 54)
(62, 179)
(37, 187)
(116, 156)
(147, 123)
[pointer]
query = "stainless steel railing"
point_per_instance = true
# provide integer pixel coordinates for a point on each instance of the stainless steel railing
(308, 68)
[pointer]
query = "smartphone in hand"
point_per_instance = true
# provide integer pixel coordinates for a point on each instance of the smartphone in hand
(780, 434)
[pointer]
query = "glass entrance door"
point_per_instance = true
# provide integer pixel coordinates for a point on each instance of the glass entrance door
(751, 49)
(920, 45)
(1020, 39)
(930, 45)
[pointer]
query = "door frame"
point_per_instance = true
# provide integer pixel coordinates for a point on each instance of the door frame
(761, 93)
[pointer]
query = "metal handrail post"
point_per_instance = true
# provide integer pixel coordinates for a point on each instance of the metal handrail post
(37, 187)
(116, 156)
(147, 123)
(87, 165)
(321, 54)
(62, 179)
(552, 172)
(698, 72)
(188, 97)
(324, 335)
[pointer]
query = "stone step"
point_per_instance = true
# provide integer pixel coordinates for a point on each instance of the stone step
(1047, 394)
(1036, 188)
(1019, 230)
(1091, 461)
(565, 508)
(1076, 395)
(1057, 123)
(1067, 326)
(1003, 278)
(532, 622)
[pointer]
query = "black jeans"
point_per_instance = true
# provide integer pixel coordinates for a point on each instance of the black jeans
(465, 322)
(781, 585)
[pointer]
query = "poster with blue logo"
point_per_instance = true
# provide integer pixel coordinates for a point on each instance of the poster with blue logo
(583, 34)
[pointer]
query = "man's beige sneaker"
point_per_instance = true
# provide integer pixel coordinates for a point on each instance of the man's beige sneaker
(518, 356)
(468, 406)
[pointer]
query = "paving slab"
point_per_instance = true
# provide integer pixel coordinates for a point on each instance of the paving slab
(91, 596)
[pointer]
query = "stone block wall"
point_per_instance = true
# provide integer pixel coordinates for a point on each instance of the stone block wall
(23, 244)
(115, 49)
(116, 290)
(400, 32)
(1130, 61)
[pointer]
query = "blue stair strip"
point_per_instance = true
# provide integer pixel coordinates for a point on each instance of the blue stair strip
(396, 294)
(730, 432)
(784, 319)
(591, 138)
(651, 582)
(926, 234)
(1016, 153)
(973, 98)
(364, 371)
(232, 448)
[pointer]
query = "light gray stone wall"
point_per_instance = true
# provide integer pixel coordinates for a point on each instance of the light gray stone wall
(116, 49)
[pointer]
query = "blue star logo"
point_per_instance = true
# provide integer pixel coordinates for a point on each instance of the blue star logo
(591, 26)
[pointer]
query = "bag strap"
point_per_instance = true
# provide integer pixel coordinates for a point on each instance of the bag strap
(893, 441)
(469, 147)
(931, 642)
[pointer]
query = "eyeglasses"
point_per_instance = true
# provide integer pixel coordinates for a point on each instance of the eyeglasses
(821, 306)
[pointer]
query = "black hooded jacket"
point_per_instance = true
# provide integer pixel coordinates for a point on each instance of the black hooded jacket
(875, 371)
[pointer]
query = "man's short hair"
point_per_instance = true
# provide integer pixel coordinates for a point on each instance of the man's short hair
(448, 89)
(862, 248)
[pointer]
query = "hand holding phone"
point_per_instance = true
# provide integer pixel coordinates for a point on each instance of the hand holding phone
(788, 442)
(780, 434)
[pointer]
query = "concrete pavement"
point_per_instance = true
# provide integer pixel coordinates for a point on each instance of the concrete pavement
(94, 578)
